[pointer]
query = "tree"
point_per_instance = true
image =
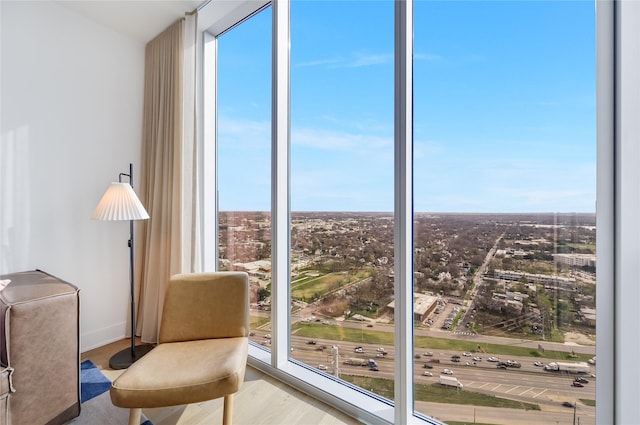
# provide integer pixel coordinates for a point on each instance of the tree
(263, 294)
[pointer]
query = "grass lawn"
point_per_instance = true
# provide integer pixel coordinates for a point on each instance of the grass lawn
(438, 394)
(303, 288)
(340, 333)
(588, 402)
(257, 321)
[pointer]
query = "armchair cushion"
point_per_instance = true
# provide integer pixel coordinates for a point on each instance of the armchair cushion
(208, 369)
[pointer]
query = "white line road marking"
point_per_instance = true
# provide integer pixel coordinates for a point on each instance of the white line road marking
(540, 393)
(513, 388)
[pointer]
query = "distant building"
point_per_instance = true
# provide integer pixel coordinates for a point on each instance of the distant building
(517, 296)
(576, 260)
(588, 315)
(500, 301)
(260, 269)
(423, 306)
(542, 279)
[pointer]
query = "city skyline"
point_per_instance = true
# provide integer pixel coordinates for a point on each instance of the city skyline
(504, 108)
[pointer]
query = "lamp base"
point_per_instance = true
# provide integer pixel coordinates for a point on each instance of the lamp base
(123, 359)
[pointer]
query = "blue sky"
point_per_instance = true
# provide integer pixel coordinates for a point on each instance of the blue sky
(504, 98)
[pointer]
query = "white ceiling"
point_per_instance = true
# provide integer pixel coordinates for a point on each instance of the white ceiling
(140, 19)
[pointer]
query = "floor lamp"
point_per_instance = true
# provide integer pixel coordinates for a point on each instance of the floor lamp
(120, 202)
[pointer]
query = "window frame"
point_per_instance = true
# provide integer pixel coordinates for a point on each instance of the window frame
(216, 18)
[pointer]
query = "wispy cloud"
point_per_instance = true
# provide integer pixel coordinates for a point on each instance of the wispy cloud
(254, 137)
(249, 134)
(427, 57)
(571, 200)
(332, 168)
(355, 60)
(340, 189)
(426, 149)
(370, 59)
(355, 144)
(320, 62)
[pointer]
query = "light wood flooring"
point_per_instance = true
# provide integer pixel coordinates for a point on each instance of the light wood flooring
(262, 400)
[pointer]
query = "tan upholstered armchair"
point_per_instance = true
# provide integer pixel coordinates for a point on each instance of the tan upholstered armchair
(202, 347)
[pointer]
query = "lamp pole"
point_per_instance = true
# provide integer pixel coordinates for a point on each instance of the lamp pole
(131, 278)
(125, 358)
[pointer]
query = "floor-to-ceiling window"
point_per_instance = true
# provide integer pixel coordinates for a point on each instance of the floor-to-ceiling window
(244, 162)
(342, 190)
(504, 201)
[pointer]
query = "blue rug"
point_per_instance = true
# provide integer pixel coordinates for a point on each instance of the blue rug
(92, 381)
(96, 407)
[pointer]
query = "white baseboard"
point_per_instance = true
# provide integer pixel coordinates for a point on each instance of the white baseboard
(100, 337)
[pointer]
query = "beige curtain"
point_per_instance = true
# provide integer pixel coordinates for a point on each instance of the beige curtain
(168, 178)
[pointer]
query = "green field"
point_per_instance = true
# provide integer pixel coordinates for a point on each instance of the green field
(588, 402)
(436, 393)
(340, 333)
(257, 321)
(308, 288)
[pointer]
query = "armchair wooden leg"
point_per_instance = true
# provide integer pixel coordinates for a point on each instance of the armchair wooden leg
(134, 416)
(227, 413)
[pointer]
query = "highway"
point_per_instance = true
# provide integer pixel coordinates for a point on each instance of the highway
(529, 383)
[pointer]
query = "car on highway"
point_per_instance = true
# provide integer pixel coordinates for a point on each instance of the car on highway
(501, 366)
(568, 404)
(467, 354)
(493, 359)
(311, 342)
(539, 364)
(323, 367)
(577, 384)
(581, 380)
(477, 359)
(427, 373)
(447, 372)
(428, 354)
(358, 350)
(427, 366)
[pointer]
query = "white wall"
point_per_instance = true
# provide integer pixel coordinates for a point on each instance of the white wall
(71, 110)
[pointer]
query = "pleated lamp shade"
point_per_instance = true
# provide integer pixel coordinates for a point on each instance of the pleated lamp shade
(120, 202)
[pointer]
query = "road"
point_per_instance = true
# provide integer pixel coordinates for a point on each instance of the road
(529, 383)
(477, 281)
(474, 414)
